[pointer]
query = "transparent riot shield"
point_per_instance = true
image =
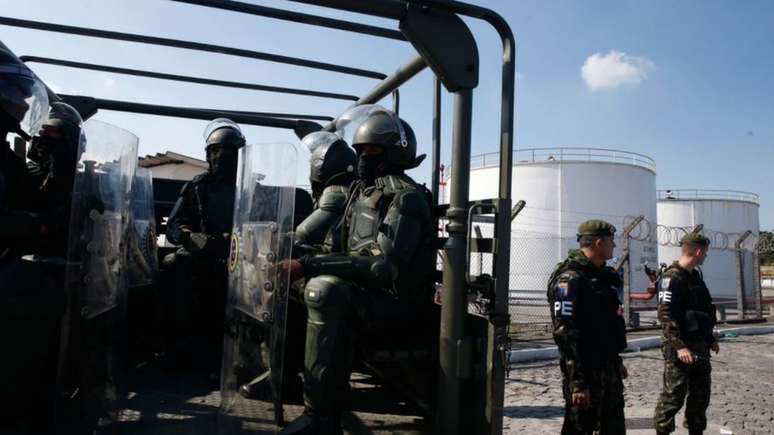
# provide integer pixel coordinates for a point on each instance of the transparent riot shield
(93, 333)
(256, 304)
(143, 251)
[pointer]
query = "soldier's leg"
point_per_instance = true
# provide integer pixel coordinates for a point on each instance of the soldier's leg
(576, 421)
(328, 354)
(179, 301)
(611, 419)
(672, 396)
(699, 388)
(31, 304)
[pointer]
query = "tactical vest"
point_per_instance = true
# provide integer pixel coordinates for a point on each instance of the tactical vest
(604, 327)
(697, 311)
(215, 203)
(364, 217)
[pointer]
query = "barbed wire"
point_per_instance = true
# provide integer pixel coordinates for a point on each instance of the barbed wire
(664, 235)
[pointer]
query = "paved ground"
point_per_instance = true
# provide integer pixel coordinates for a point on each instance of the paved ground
(742, 392)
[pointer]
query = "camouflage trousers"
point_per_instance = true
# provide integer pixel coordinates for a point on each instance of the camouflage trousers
(681, 379)
(606, 412)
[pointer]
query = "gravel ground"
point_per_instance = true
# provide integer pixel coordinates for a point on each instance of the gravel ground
(742, 391)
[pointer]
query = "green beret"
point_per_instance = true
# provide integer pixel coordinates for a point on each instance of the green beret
(696, 239)
(596, 227)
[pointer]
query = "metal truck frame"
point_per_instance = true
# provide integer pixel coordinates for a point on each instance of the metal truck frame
(445, 44)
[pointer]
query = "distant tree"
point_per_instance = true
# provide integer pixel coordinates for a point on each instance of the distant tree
(766, 248)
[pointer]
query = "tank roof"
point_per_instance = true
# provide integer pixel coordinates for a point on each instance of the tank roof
(708, 195)
(566, 154)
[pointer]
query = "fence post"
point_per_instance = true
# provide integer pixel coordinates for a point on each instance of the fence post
(740, 274)
(626, 264)
(757, 292)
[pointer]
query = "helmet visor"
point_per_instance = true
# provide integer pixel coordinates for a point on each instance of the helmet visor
(316, 139)
(349, 121)
(219, 123)
(23, 97)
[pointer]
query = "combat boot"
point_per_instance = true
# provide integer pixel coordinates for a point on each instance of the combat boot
(314, 424)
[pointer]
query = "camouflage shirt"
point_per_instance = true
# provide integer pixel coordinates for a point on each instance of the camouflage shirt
(587, 316)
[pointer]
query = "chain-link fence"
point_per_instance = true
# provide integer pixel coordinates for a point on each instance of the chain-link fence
(643, 248)
(731, 271)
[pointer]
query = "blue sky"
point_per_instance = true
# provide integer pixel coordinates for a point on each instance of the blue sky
(688, 83)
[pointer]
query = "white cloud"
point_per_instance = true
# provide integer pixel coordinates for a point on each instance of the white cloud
(108, 83)
(614, 69)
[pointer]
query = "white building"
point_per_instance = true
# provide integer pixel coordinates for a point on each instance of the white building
(173, 166)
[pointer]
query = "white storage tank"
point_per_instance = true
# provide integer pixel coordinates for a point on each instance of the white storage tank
(725, 215)
(562, 188)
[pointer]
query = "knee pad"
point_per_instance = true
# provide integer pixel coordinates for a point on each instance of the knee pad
(327, 293)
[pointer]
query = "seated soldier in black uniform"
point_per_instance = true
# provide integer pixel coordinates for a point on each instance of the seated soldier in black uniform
(201, 223)
(379, 277)
(331, 172)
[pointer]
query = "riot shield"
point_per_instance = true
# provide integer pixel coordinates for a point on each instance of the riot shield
(92, 339)
(143, 252)
(257, 298)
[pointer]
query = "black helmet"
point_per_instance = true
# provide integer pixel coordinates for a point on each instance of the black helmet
(66, 119)
(23, 97)
(223, 131)
(60, 136)
(383, 127)
(331, 157)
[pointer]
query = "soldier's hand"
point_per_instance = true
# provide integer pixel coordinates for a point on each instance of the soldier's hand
(290, 268)
(715, 347)
(624, 372)
(581, 399)
(685, 355)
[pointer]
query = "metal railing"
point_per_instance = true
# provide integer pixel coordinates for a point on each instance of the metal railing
(707, 194)
(565, 154)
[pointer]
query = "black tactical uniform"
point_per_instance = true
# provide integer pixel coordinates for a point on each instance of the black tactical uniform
(201, 223)
(687, 317)
(590, 332)
(332, 170)
(23, 108)
(380, 276)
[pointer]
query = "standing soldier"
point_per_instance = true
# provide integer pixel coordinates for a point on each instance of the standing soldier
(201, 223)
(590, 332)
(687, 316)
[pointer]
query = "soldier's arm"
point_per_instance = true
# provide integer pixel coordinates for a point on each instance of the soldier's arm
(313, 229)
(399, 236)
(184, 216)
(566, 318)
(671, 311)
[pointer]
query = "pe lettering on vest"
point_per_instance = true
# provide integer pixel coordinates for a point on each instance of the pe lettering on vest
(664, 297)
(563, 308)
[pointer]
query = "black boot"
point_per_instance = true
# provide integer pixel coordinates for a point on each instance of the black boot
(312, 424)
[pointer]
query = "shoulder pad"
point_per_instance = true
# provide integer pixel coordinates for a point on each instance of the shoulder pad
(568, 275)
(392, 184)
(333, 198)
(412, 202)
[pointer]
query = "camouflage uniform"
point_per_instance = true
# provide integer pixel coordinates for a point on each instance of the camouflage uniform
(687, 316)
(590, 332)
